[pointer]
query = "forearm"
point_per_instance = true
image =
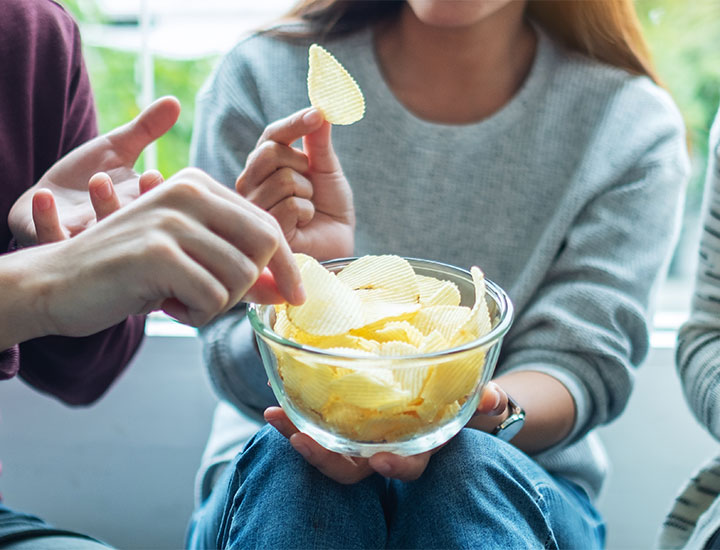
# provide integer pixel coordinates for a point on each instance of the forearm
(699, 371)
(20, 319)
(75, 369)
(549, 410)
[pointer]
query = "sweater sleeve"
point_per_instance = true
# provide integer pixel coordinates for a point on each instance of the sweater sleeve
(698, 346)
(227, 126)
(588, 322)
(55, 113)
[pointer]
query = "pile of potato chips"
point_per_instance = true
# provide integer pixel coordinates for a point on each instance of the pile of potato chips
(376, 319)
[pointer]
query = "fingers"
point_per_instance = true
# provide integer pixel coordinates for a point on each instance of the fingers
(149, 180)
(345, 469)
(276, 417)
(493, 400)
(230, 236)
(277, 186)
(288, 130)
(102, 195)
(403, 468)
(154, 121)
(265, 160)
(318, 147)
(197, 295)
(341, 468)
(286, 274)
(265, 290)
(46, 218)
(293, 213)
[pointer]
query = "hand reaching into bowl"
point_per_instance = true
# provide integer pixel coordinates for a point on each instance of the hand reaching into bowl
(348, 470)
(306, 191)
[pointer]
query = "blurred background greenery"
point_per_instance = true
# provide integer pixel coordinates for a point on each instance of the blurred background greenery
(684, 36)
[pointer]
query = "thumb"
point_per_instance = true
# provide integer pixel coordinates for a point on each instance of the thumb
(154, 121)
(319, 150)
(289, 129)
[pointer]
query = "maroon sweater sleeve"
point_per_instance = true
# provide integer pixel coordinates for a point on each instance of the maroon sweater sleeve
(46, 110)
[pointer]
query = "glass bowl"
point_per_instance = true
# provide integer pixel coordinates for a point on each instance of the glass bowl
(375, 419)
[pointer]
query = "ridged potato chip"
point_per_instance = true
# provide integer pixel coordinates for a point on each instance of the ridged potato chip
(388, 428)
(309, 384)
(479, 322)
(447, 320)
(434, 292)
(454, 380)
(376, 390)
(331, 89)
(331, 307)
(400, 331)
(382, 279)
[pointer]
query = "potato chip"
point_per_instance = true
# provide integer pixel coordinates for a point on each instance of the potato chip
(309, 383)
(331, 307)
(434, 292)
(454, 380)
(447, 320)
(412, 379)
(397, 349)
(479, 322)
(382, 279)
(434, 341)
(332, 90)
(381, 312)
(400, 331)
(388, 428)
(375, 390)
(344, 418)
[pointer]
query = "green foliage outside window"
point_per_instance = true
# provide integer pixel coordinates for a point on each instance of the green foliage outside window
(115, 78)
(684, 37)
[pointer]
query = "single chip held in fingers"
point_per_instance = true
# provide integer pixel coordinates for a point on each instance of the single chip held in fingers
(331, 88)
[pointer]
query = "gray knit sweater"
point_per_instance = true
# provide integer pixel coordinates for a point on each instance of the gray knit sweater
(698, 350)
(568, 197)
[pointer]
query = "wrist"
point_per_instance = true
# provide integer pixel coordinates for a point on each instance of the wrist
(512, 423)
(21, 310)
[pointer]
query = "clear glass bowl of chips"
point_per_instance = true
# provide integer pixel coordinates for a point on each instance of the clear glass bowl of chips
(392, 385)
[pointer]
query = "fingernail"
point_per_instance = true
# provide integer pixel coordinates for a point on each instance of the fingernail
(104, 190)
(299, 295)
(382, 468)
(497, 400)
(312, 117)
(302, 449)
(42, 202)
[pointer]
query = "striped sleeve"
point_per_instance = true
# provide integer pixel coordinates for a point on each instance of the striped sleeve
(698, 349)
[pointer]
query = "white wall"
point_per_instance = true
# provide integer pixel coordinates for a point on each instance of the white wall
(123, 469)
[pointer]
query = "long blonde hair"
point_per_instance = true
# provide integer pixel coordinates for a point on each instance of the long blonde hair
(606, 30)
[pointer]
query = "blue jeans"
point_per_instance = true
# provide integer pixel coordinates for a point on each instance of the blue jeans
(477, 492)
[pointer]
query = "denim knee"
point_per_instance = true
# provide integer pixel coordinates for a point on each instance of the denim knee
(480, 491)
(277, 499)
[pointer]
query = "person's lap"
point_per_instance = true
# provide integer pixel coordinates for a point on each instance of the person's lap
(476, 491)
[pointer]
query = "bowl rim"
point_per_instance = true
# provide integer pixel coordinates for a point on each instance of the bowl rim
(500, 297)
